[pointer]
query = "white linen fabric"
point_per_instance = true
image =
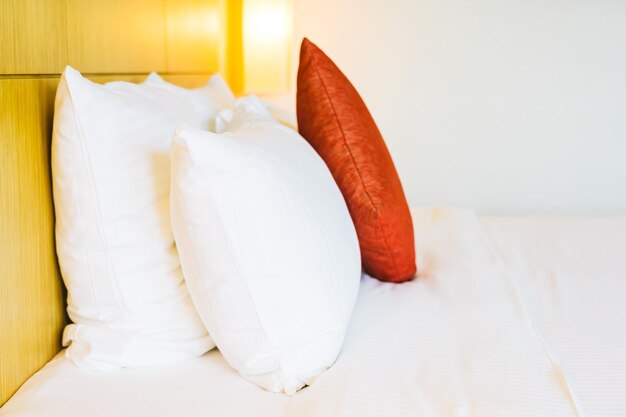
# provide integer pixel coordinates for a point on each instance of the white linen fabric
(571, 272)
(454, 342)
(219, 92)
(284, 117)
(110, 169)
(267, 245)
(282, 114)
(215, 94)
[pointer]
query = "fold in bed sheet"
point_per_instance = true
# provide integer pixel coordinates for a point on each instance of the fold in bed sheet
(458, 341)
(571, 272)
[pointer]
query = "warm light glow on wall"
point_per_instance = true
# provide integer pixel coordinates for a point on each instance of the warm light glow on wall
(267, 32)
(196, 21)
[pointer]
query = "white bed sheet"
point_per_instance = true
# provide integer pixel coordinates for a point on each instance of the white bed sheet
(571, 272)
(458, 341)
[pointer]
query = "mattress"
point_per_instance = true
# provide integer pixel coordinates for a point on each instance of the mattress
(508, 317)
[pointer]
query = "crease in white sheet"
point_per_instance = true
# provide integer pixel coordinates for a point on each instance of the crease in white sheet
(571, 272)
(510, 274)
(453, 342)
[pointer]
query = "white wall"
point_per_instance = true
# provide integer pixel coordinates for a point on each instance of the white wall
(515, 106)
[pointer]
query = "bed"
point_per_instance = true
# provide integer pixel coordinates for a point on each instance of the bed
(509, 316)
(515, 316)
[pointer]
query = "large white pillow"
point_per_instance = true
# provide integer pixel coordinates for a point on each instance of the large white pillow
(267, 246)
(110, 167)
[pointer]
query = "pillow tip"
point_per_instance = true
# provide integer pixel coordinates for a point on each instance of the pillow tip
(154, 77)
(182, 132)
(69, 72)
(307, 47)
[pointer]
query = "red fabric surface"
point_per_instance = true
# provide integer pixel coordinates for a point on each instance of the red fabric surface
(333, 118)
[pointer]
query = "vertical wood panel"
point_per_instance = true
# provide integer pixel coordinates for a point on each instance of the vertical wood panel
(193, 35)
(32, 36)
(31, 295)
(116, 36)
(233, 65)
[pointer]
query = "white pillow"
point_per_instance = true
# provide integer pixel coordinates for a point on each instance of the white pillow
(220, 93)
(267, 245)
(110, 167)
(282, 114)
(205, 98)
(279, 114)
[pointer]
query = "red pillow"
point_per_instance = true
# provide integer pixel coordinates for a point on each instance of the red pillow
(334, 119)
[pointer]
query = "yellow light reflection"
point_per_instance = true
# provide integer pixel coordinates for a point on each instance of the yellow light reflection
(267, 31)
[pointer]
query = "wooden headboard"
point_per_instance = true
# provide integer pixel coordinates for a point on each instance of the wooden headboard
(185, 40)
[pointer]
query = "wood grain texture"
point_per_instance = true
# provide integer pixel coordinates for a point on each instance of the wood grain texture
(116, 36)
(105, 78)
(193, 31)
(33, 39)
(31, 290)
(187, 81)
(182, 80)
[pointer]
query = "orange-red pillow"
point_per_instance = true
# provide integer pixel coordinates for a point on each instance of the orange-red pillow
(334, 119)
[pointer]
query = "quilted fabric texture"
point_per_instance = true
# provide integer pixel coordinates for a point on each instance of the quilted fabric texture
(334, 119)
